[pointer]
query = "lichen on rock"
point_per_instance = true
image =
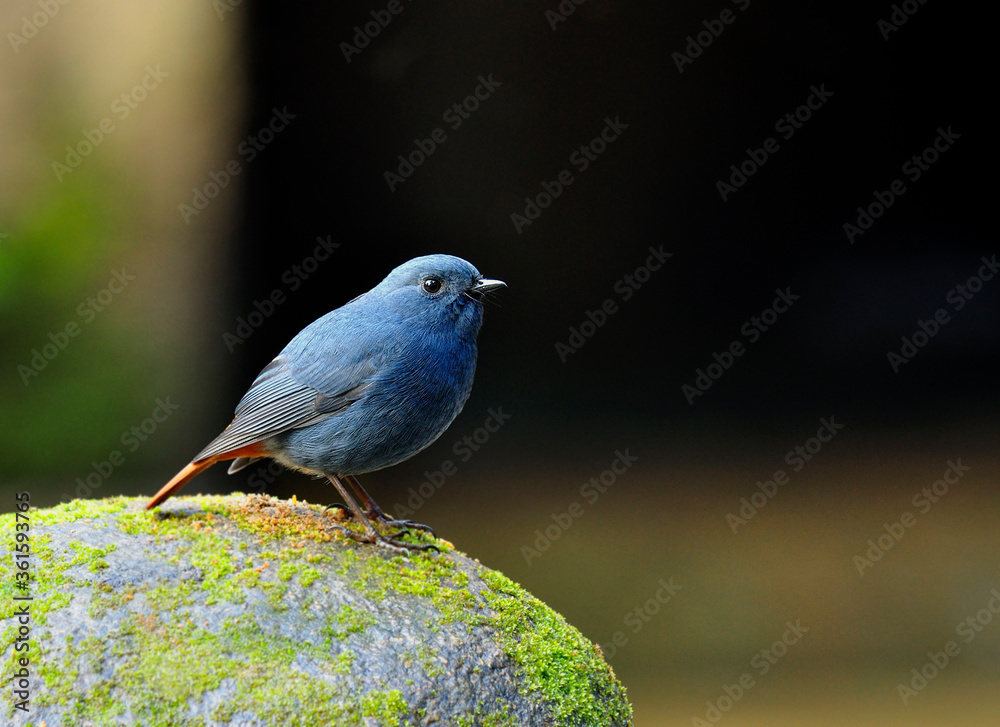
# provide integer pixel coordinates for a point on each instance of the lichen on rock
(252, 610)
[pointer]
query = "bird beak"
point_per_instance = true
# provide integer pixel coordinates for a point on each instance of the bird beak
(485, 285)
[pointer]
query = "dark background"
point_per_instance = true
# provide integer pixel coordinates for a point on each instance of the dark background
(655, 186)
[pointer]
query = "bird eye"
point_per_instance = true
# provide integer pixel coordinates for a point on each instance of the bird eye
(432, 285)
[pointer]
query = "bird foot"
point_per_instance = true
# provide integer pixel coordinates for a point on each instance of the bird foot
(382, 519)
(389, 542)
(406, 526)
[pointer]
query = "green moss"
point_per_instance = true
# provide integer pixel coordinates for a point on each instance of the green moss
(559, 662)
(167, 663)
(204, 542)
(161, 660)
(74, 510)
(99, 707)
(46, 586)
(348, 560)
(501, 717)
(171, 595)
(432, 664)
(47, 569)
(106, 598)
(387, 707)
(48, 589)
(93, 558)
(307, 575)
(271, 519)
(287, 570)
(351, 621)
(428, 575)
(343, 662)
(163, 664)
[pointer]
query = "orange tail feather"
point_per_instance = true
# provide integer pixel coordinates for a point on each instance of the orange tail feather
(181, 479)
(256, 449)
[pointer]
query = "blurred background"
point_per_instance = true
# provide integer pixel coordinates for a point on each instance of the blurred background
(185, 185)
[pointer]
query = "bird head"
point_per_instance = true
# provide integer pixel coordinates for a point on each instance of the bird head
(441, 287)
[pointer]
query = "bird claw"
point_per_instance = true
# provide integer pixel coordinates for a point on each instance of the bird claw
(407, 525)
(393, 544)
(389, 542)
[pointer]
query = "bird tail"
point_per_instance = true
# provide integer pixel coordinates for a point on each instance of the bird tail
(181, 479)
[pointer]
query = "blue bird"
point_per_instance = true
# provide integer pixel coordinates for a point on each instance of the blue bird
(365, 387)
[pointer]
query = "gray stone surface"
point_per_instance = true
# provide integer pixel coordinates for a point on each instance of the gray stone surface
(252, 611)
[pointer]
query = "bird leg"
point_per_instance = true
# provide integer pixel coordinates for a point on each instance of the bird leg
(371, 535)
(374, 512)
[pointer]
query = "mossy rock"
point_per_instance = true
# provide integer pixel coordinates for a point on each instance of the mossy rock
(253, 611)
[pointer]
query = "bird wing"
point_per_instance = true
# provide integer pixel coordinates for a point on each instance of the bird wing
(284, 397)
